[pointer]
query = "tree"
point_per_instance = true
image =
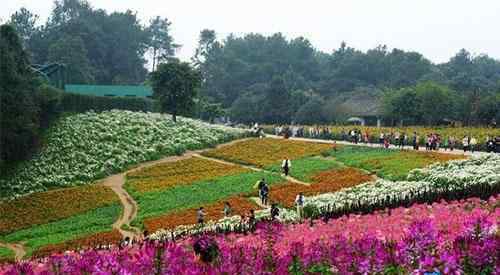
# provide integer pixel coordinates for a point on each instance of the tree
(175, 85)
(278, 102)
(311, 112)
(25, 24)
(206, 42)
(18, 109)
(72, 53)
(161, 42)
(435, 101)
(401, 105)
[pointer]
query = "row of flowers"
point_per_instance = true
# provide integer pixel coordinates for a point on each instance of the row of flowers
(45, 207)
(477, 176)
(84, 147)
(268, 151)
(180, 172)
(443, 238)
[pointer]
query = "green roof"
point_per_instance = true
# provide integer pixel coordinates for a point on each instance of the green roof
(110, 90)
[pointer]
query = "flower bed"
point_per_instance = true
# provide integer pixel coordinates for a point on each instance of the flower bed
(180, 172)
(84, 147)
(267, 151)
(91, 241)
(305, 168)
(324, 182)
(239, 205)
(469, 246)
(93, 221)
(45, 207)
(389, 164)
(478, 176)
(182, 197)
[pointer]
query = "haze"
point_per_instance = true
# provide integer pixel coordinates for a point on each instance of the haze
(437, 29)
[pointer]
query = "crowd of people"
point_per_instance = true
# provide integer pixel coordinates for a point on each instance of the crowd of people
(433, 141)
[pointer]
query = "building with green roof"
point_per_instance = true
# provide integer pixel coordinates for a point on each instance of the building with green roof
(110, 90)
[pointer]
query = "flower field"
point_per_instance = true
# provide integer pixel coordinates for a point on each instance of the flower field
(239, 205)
(305, 168)
(324, 182)
(185, 171)
(84, 147)
(268, 151)
(90, 222)
(196, 194)
(413, 240)
(479, 175)
(389, 164)
(45, 207)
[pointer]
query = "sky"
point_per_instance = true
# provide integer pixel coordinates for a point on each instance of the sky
(436, 28)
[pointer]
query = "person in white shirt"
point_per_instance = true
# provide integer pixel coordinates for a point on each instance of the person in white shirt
(285, 165)
(299, 202)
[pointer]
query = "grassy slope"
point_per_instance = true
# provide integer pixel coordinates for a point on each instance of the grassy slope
(93, 221)
(196, 194)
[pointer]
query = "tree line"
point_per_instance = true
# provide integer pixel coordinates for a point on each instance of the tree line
(273, 79)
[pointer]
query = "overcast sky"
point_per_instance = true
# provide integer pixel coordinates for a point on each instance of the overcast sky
(435, 28)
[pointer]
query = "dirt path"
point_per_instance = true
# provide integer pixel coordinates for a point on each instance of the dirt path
(116, 183)
(374, 145)
(258, 202)
(17, 248)
(253, 168)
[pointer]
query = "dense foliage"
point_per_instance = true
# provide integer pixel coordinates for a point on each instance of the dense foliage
(96, 47)
(242, 71)
(84, 147)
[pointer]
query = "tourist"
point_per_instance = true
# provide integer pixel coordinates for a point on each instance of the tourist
(200, 215)
(251, 220)
(381, 139)
(490, 144)
(415, 141)
(260, 185)
(472, 144)
(365, 137)
(275, 212)
(397, 137)
(404, 141)
(264, 194)
(227, 209)
(386, 143)
(451, 143)
(299, 202)
(465, 143)
(446, 143)
(286, 165)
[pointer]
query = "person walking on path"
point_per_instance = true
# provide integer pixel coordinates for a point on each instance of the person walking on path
(227, 209)
(260, 186)
(299, 202)
(264, 194)
(415, 141)
(465, 143)
(286, 165)
(200, 215)
(472, 144)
